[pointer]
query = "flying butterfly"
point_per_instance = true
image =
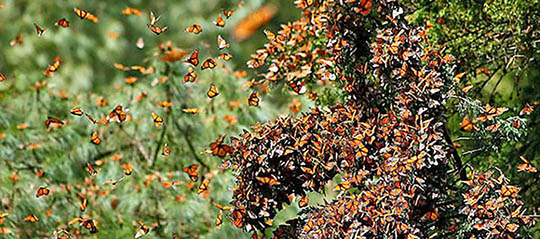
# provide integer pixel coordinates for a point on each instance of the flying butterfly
(222, 44)
(303, 202)
(90, 225)
(52, 120)
(95, 138)
(298, 88)
(192, 111)
(467, 124)
(253, 99)
(194, 58)
(219, 21)
(219, 149)
(219, 220)
(158, 121)
(131, 11)
(42, 191)
(115, 181)
(117, 114)
(195, 29)
(77, 111)
(157, 30)
(528, 108)
(154, 19)
(2, 77)
(84, 204)
(82, 14)
(39, 30)
(140, 43)
(225, 56)
(143, 230)
(203, 187)
(208, 64)
(191, 75)
(62, 23)
(166, 151)
(91, 170)
(228, 13)
(31, 218)
(193, 172)
(526, 166)
(212, 92)
(17, 40)
(91, 119)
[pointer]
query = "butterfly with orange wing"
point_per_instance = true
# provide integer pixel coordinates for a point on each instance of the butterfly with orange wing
(31, 218)
(158, 120)
(39, 30)
(62, 23)
(194, 58)
(222, 44)
(42, 191)
(166, 151)
(203, 187)
(526, 166)
(143, 230)
(2, 77)
(195, 29)
(51, 120)
(192, 171)
(95, 138)
(225, 56)
(253, 99)
(212, 92)
(191, 75)
(228, 13)
(219, 149)
(17, 40)
(82, 14)
(219, 21)
(153, 27)
(208, 64)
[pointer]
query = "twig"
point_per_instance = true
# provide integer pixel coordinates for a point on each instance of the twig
(167, 117)
(190, 145)
(455, 154)
(496, 85)
(136, 142)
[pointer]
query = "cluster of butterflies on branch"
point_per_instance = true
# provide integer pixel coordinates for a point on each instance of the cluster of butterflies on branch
(120, 114)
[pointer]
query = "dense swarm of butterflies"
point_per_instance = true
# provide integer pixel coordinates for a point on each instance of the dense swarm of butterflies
(121, 114)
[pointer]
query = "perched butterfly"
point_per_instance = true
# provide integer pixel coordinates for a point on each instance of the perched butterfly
(166, 150)
(39, 30)
(158, 121)
(84, 203)
(90, 225)
(222, 44)
(526, 166)
(228, 13)
(194, 58)
(209, 63)
(195, 29)
(93, 172)
(203, 187)
(143, 230)
(219, 149)
(237, 217)
(52, 120)
(131, 11)
(192, 171)
(17, 40)
(140, 43)
(117, 114)
(467, 125)
(509, 191)
(303, 202)
(298, 88)
(219, 220)
(253, 99)
(62, 22)
(493, 127)
(222, 207)
(31, 218)
(128, 171)
(95, 138)
(84, 14)
(268, 181)
(192, 111)
(365, 7)
(157, 30)
(225, 56)
(191, 75)
(212, 92)
(343, 186)
(2, 77)
(219, 21)
(42, 191)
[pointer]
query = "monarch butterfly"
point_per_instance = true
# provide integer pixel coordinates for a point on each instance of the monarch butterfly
(2, 77)
(192, 171)
(238, 217)
(115, 181)
(467, 125)
(493, 127)
(222, 44)
(84, 203)
(118, 114)
(219, 220)
(52, 120)
(128, 170)
(298, 88)
(509, 191)
(256, 19)
(131, 11)
(219, 21)
(91, 118)
(191, 75)
(143, 230)
(95, 138)
(90, 225)
(342, 186)
(17, 40)
(84, 14)
(225, 56)
(194, 58)
(153, 18)
(526, 166)
(62, 22)
(303, 202)
(219, 149)
(222, 207)
(157, 30)
(42, 191)
(365, 7)
(253, 99)
(93, 172)
(209, 63)
(268, 181)
(192, 111)
(228, 13)
(195, 29)
(31, 218)
(140, 43)
(203, 187)
(39, 30)
(165, 150)
(212, 92)
(158, 121)
(526, 110)
(175, 236)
